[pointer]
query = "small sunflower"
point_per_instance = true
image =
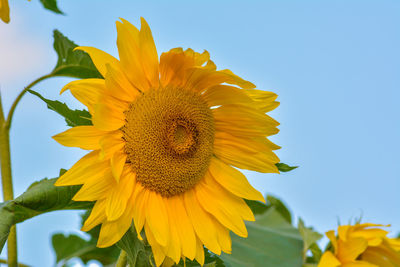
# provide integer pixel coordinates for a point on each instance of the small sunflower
(166, 134)
(4, 11)
(363, 245)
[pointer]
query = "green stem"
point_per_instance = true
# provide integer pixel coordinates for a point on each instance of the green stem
(19, 264)
(7, 185)
(122, 259)
(16, 101)
(5, 163)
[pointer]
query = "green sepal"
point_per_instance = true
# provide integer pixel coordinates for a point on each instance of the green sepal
(282, 167)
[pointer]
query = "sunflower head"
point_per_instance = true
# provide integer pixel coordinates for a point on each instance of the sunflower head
(361, 245)
(167, 133)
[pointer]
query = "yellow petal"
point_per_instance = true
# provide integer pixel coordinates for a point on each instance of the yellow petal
(224, 238)
(332, 237)
(349, 250)
(87, 91)
(112, 232)
(201, 79)
(118, 161)
(363, 264)
(140, 198)
(117, 200)
(174, 246)
(96, 187)
(245, 153)
(394, 243)
(200, 59)
(329, 260)
(381, 256)
(111, 143)
(227, 212)
(201, 221)
(158, 250)
(148, 54)
(85, 137)
(199, 252)
(343, 231)
(180, 219)
(245, 116)
(87, 167)
(100, 59)
(157, 218)
(119, 86)
(233, 180)
(173, 67)
(107, 117)
(4, 11)
(264, 100)
(225, 94)
(97, 215)
(130, 56)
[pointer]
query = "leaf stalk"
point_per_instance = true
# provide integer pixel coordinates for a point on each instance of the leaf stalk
(122, 259)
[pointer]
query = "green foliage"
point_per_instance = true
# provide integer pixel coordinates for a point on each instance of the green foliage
(272, 241)
(316, 254)
(139, 253)
(282, 167)
(279, 207)
(40, 197)
(51, 5)
(73, 246)
(72, 117)
(310, 237)
(259, 208)
(72, 63)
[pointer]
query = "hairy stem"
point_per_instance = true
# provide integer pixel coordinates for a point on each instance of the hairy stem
(122, 259)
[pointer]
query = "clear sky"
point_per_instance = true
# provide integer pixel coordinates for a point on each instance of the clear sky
(334, 64)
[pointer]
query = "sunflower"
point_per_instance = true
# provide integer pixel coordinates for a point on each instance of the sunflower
(166, 136)
(364, 245)
(4, 11)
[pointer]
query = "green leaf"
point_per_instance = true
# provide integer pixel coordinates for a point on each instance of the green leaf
(138, 253)
(280, 207)
(72, 117)
(39, 198)
(73, 246)
(51, 5)
(72, 63)
(284, 167)
(316, 253)
(259, 208)
(272, 242)
(310, 237)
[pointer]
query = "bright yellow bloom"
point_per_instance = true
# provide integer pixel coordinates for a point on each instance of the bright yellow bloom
(4, 11)
(166, 133)
(361, 245)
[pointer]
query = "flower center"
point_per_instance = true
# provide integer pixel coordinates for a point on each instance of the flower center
(169, 134)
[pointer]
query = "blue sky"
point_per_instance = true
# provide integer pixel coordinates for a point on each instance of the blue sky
(334, 64)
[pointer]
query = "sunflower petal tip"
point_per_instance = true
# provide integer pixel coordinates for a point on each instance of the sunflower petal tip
(65, 88)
